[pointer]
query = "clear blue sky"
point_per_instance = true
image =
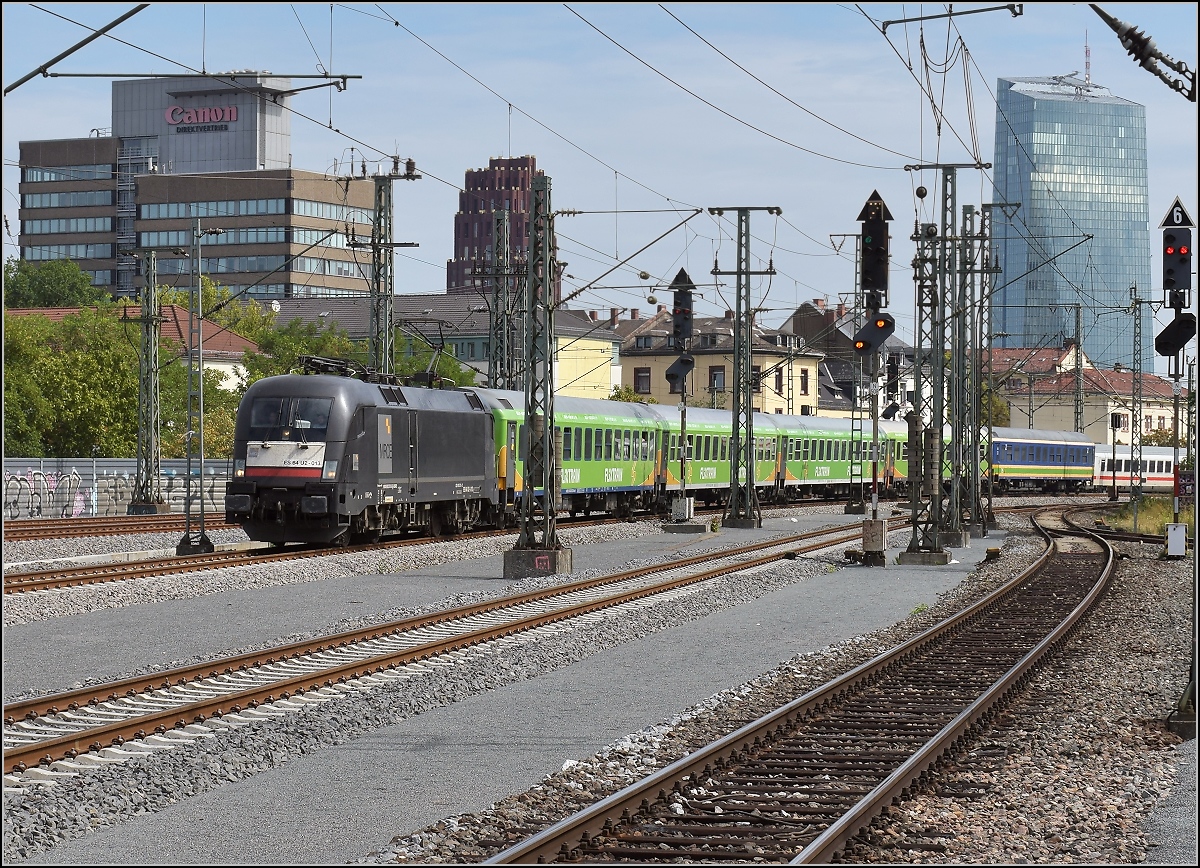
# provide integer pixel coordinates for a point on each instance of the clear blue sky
(452, 85)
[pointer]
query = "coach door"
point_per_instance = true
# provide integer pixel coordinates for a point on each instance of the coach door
(410, 447)
(510, 462)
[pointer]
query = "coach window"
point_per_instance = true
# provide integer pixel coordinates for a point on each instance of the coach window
(566, 443)
(587, 444)
(579, 453)
(608, 444)
(597, 453)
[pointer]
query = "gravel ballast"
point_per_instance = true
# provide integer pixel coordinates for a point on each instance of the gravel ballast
(1120, 675)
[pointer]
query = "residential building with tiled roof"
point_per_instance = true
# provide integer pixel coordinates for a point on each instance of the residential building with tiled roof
(1044, 387)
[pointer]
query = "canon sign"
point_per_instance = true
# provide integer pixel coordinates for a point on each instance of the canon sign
(209, 115)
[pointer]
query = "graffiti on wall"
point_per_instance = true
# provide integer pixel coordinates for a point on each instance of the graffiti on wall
(44, 495)
(51, 494)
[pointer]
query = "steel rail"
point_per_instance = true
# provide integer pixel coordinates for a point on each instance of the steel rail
(571, 838)
(46, 751)
(105, 525)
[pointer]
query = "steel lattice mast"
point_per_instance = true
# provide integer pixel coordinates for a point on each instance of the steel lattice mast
(537, 514)
(147, 486)
(195, 540)
(499, 323)
(381, 334)
(742, 509)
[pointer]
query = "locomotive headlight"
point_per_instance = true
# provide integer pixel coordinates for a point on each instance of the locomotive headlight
(330, 470)
(239, 467)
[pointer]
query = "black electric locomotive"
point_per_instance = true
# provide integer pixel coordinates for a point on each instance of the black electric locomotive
(335, 459)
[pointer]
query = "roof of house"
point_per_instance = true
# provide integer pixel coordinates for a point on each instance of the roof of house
(1030, 360)
(436, 317)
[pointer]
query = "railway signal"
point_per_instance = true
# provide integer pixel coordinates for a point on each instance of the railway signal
(1177, 334)
(869, 339)
(1177, 265)
(681, 309)
(874, 246)
(680, 368)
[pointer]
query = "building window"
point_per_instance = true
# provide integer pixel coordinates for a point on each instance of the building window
(716, 378)
(756, 379)
(779, 381)
(98, 172)
(641, 381)
(804, 382)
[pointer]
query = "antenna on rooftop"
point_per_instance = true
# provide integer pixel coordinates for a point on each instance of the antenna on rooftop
(1087, 59)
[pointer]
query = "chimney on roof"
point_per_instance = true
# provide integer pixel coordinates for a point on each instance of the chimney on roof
(614, 314)
(593, 315)
(819, 304)
(633, 313)
(729, 315)
(841, 309)
(1118, 367)
(661, 308)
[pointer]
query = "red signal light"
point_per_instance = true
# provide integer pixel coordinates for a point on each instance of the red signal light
(1184, 251)
(1170, 251)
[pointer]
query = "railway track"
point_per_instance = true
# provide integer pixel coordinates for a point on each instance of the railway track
(120, 570)
(107, 525)
(797, 784)
(17, 582)
(66, 733)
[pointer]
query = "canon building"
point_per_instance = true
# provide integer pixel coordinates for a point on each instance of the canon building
(209, 153)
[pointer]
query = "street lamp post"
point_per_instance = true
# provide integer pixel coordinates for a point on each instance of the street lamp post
(195, 540)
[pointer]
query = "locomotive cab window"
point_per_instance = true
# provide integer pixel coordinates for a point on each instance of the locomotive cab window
(302, 420)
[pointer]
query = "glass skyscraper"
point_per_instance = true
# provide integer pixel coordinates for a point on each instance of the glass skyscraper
(1070, 162)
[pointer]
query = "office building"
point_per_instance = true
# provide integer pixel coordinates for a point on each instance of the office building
(208, 151)
(1070, 162)
(506, 184)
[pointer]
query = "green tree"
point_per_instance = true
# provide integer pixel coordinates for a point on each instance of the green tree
(26, 350)
(280, 348)
(993, 409)
(218, 304)
(57, 283)
(71, 389)
(626, 393)
(412, 357)
(1160, 437)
